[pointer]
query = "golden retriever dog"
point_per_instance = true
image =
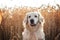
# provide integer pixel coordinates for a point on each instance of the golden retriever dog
(33, 26)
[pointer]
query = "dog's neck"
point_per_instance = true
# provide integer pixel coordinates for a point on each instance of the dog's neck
(36, 29)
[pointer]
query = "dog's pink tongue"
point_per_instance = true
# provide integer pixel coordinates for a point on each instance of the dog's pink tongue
(33, 37)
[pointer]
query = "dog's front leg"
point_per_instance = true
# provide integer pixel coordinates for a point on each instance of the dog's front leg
(25, 39)
(41, 39)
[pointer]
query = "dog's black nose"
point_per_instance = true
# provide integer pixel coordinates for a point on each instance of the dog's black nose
(32, 21)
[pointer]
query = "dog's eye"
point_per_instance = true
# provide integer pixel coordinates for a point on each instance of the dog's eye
(35, 16)
(29, 16)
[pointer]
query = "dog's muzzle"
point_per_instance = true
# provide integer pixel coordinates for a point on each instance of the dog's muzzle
(32, 22)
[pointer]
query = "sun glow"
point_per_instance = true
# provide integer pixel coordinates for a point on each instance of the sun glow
(30, 3)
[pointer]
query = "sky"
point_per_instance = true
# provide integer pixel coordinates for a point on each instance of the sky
(30, 3)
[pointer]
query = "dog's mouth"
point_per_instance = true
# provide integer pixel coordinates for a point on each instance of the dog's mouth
(33, 24)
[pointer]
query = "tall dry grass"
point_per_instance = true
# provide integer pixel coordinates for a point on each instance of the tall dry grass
(11, 27)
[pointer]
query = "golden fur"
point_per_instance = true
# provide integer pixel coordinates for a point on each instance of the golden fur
(35, 32)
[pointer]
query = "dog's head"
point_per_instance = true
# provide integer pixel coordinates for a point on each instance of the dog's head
(33, 19)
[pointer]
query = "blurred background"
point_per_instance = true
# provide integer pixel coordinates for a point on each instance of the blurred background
(12, 13)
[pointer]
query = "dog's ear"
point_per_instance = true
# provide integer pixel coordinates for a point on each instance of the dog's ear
(25, 20)
(40, 18)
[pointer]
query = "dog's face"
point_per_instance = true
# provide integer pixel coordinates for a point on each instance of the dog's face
(33, 18)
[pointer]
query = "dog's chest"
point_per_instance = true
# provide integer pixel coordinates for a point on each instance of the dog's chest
(35, 36)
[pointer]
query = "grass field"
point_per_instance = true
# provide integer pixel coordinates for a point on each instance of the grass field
(11, 27)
